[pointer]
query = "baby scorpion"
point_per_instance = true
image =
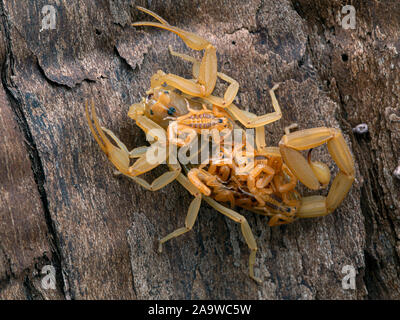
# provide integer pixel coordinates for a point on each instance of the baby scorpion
(263, 183)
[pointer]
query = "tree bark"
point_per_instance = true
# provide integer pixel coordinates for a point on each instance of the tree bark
(61, 205)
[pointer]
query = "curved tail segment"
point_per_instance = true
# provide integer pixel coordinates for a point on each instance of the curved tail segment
(290, 147)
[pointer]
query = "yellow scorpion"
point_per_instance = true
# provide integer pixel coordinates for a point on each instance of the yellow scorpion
(176, 110)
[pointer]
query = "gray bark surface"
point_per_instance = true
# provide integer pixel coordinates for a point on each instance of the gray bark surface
(61, 205)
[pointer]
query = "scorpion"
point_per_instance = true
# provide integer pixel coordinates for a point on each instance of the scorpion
(176, 110)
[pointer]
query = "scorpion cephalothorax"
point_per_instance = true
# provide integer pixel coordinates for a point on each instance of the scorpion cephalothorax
(196, 122)
(203, 120)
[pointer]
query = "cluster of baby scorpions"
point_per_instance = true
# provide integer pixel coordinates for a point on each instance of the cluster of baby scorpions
(176, 110)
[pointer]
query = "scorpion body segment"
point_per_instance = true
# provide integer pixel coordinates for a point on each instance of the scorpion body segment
(203, 121)
(260, 179)
(161, 104)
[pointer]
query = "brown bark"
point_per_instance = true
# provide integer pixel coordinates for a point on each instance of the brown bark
(61, 205)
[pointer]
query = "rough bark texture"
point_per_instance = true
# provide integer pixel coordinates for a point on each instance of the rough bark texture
(61, 205)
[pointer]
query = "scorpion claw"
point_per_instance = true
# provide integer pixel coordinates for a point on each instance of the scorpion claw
(118, 156)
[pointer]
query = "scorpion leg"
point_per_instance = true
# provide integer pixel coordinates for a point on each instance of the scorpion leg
(260, 120)
(187, 86)
(261, 143)
(260, 140)
(162, 180)
(290, 127)
(196, 176)
(138, 152)
(230, 92)
(196, 63)
(291, 144)
(203, 180)
(192, 211)
(244, 118)
(246, 231)
(232, 89)
(279, 219)
(260, 132)
(189, 222)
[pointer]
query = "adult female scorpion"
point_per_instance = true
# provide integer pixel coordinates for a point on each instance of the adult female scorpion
(176, 110)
